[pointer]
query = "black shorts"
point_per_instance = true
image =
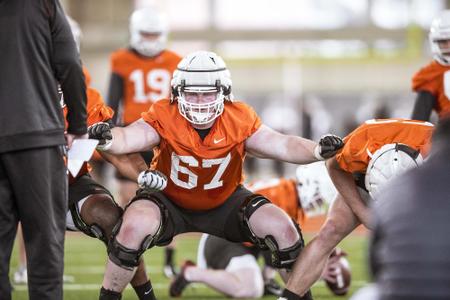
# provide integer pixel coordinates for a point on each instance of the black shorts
(225, 221)
(219, 252)
(83, 187)
(147, 156)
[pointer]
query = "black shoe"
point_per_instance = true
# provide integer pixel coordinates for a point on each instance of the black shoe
(272, 287)
(179, 283)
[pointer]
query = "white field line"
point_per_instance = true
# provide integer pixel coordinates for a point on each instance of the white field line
(157, 286)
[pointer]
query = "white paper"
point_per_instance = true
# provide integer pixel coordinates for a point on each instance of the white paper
(80, 152)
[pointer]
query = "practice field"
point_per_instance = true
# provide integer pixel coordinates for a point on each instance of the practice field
(85, 258)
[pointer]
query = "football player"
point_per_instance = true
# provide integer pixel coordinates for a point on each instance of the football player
(232, 268)
(374, 153)
(140, 76)
(432, 82)
(202, 137)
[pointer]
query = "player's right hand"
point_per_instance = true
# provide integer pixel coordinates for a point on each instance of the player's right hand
(101, 131)
(152, 180)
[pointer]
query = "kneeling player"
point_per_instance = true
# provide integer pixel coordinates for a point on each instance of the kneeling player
(374, 153)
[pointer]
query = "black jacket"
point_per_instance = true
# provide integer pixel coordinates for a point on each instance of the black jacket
(37, 51)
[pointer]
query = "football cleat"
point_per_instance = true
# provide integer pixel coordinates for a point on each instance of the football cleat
(169, 271)
(271, 287)
(179, 283)
(20, 276)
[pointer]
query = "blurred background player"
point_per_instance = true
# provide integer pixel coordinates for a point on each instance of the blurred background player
(373, 154)
(140, 76)
(232, 268)
(432, 82)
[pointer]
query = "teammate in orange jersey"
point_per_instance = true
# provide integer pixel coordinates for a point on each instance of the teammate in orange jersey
(140, 76)
(202, 138)
(374, 153)
(432, 82)
(232, 268)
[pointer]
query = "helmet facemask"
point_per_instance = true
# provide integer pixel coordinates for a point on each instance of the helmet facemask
(148, 46)
(200, 85)
(201, 113)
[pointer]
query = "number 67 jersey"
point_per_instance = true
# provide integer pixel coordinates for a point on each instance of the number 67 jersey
(202, 173)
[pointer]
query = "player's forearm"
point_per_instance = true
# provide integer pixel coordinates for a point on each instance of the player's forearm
(300, 150)
(345, 185)
(118, 145)
(127, 164)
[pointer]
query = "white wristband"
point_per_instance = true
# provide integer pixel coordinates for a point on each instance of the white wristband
(317, 153)
(105, 146)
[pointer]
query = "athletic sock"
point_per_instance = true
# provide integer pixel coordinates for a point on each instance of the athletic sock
(145, 291)
(288, 295)
(168, 256)
(109, 295)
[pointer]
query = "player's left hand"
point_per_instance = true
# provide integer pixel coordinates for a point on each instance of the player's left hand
(152, 180)
(329, 144)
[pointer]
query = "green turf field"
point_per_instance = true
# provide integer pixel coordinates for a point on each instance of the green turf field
(85, 259)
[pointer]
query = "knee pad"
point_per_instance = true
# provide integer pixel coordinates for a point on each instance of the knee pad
(129, 258)
(96, 228)
(280, 258)
(125, 257)
(248, 207)
(284, 258)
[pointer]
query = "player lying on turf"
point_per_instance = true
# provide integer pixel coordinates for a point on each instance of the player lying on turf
(201, 138)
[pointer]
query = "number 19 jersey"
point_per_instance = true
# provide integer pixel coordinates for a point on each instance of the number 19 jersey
(202, 174)
(145, 80)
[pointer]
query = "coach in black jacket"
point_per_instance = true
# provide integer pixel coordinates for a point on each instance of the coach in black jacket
(37, 52)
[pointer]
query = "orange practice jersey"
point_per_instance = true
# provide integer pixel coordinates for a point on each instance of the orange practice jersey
(281, 192)
(202, 174)
(146, 80)
(97, 111)
(373, 134)
(435, 79)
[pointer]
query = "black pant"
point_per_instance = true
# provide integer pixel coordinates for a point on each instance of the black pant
(33, 190)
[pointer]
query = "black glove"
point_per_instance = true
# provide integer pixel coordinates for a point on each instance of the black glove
(101, 131)
(329, 144)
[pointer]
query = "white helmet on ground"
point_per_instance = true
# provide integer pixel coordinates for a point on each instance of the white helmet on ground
(148, 21)
(76, 31)
(315, 188)
(440, 31)
(388, 162)
(201, 72)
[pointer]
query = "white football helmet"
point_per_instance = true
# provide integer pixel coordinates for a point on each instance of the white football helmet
(440, 31)
(76, 31)
(388, 162)
(201, 72)
(315, 188)
(148, 20)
